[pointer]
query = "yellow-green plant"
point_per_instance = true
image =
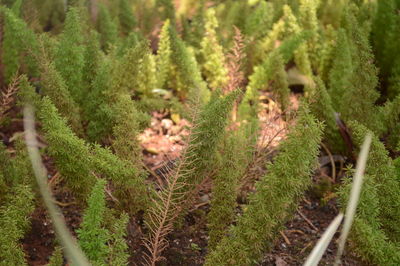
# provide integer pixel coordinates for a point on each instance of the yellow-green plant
(212, 54)
(163, 59)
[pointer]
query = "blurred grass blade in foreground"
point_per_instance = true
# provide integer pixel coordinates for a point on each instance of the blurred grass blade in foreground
(318, 251)
(354, 196)
(323, 242)
(73, 253)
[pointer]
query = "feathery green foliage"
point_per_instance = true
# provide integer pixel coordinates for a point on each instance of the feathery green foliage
(208, 133)
(79, 163)
(341, 71)
(98, 70)
(280, 85)
(364, 79)
(392, 121)
(92, 236)
(301, 56)
(130, 188)
(118, 247)
(373, 244)
(57, 258)
(270, 205)
(188, 78)
(18, 45)
(212, 54)
(72, 156)
(54, 86)
(16, 7)
(259, 21)
(322, 107)
(385, 32)
(125, 130)
(92, 59)
(163, 59)
(127, 19)
(232, 164)
(166, 9)
(107, 27)
(69, 57)
(270, 72)
(309, 21)
(97, 110)
(14, 221)
(382, 168)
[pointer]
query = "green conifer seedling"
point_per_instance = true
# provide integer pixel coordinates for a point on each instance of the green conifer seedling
(341, 71)
(207, 134)
(127, 19)
(166, 9)
(232, 164)
(79, 163)
(54, 86)
(118, 247)
(212, 53)
(92, 235)
(107, 28)
(276, 193)
(19, 43)
(385, 32)
(301, 56)
(381, 166)
(163, 59)
(71, 155)
(188, 77)
(364, 79)
(14, 221)
(322, 108)
(69, 57)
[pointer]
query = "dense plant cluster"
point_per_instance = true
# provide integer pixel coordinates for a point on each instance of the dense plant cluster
(95, 70)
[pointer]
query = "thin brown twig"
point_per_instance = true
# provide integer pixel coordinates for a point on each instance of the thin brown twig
(307, 246)
(64, 204)
(328, 152)
(7, 96)
(285, 238)
(307, 220)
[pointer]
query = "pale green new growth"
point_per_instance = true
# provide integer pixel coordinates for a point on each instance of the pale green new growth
(212, 54)
(163, 59)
